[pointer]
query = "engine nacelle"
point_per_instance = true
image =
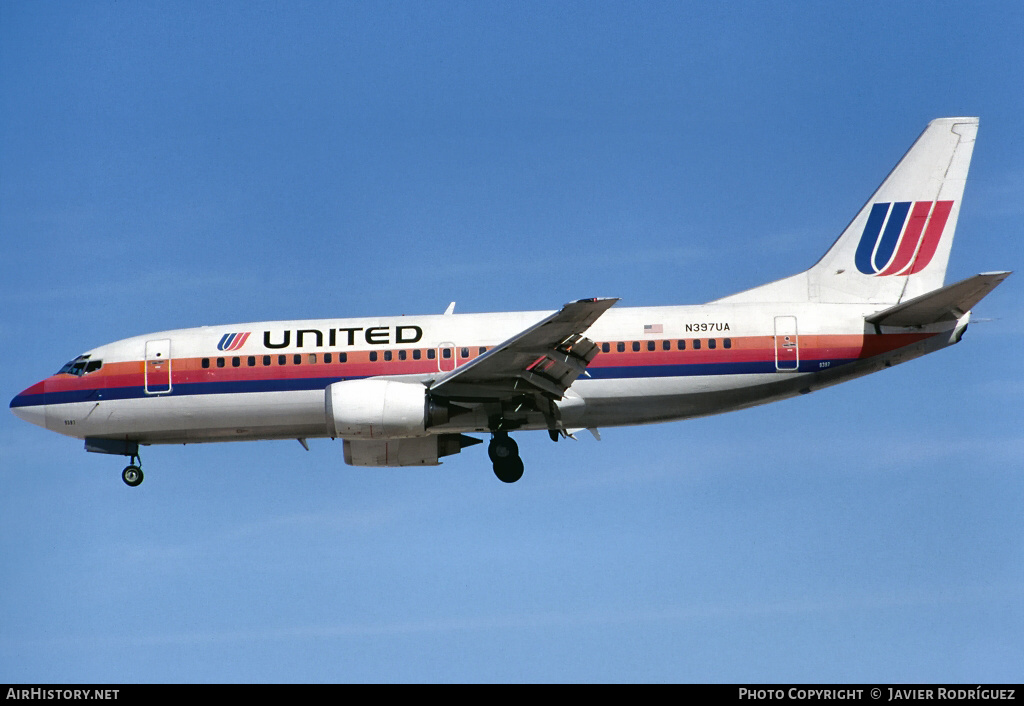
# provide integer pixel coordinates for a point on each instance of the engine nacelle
(380, 409)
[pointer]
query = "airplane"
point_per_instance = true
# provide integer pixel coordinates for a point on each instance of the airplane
(410, 390)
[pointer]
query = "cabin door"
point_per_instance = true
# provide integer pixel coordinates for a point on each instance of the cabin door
(787, 344)
(158, 367)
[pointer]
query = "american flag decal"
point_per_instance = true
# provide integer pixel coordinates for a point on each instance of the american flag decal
(652, 328)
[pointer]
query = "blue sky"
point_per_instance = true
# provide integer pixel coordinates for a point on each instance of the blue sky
(167, 165)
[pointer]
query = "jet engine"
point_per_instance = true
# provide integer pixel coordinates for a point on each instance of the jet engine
(381, 409)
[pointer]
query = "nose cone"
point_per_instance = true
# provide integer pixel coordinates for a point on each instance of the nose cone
(30, 405)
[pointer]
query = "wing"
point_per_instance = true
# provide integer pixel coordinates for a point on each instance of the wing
(545, 358)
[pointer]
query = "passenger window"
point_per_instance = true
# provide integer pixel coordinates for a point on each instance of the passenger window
(236, 361)
(712, 343)
(312, 358)
(373, 356)
(465, 352)
(727, 343)
(696, 344)
(220, 362)
(651, 345)
(343, 357)
(446, 353)
(266, 360)
(681, 345)
(402, 354)
(620, 347)
(636, 346)
(206, 362)
(605, 347)
(282, 360)
(387, 355)
(666, 345)
(297, 359)
(431, 354)
(417, 354)
(482, 350)
(328, 357)
(252, 361)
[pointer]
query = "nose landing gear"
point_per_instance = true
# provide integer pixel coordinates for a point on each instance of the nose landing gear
(504, 454)
(132, 473)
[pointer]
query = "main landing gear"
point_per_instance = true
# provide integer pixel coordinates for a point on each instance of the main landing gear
(132, 473)
(504, 454)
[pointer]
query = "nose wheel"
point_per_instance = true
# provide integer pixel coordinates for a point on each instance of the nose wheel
(504, 454)
(132, 473)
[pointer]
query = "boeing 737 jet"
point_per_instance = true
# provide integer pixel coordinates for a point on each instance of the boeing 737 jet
(410, 390)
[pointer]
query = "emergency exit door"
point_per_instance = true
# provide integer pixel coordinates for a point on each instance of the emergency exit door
(446, 357)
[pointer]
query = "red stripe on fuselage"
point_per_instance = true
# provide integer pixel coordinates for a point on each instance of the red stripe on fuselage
(743, 349)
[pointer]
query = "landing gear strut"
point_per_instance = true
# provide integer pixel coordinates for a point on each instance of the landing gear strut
(504, 454)
(132, 473)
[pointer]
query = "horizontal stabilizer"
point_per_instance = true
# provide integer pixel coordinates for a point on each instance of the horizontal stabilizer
(946, 304)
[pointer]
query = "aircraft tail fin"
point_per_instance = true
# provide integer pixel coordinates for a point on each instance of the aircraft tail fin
(897, 246)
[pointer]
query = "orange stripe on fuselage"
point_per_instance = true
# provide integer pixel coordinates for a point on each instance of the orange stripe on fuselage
(743, 349)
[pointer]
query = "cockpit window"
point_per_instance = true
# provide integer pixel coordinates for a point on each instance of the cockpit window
(69, 367)
(81, 366)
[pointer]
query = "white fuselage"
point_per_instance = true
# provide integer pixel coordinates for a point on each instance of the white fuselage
(656, 364)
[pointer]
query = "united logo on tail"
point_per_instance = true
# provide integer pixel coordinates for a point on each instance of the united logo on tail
(875, 252)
